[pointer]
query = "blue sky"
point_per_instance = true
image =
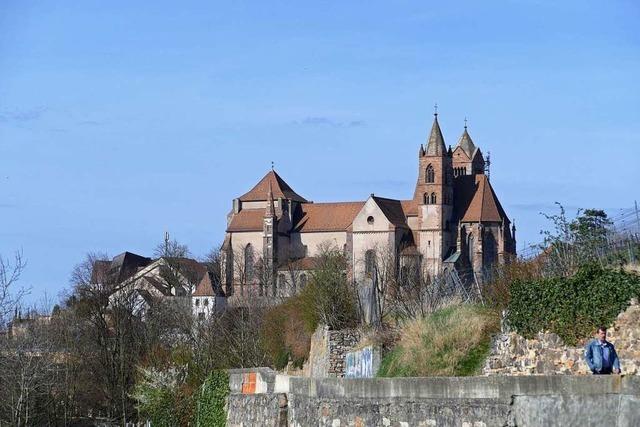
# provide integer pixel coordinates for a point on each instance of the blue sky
(120, 120)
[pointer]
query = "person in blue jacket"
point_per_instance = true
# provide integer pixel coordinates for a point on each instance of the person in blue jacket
(600, 354)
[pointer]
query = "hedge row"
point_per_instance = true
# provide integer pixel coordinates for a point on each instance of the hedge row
(571, 307)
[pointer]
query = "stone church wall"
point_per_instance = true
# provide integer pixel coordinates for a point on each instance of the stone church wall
(546, 354)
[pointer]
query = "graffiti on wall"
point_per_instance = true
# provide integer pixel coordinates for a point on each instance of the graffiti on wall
(359, 363)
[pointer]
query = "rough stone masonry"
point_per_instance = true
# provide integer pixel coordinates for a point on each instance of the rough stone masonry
(561, 400)
(546, 354)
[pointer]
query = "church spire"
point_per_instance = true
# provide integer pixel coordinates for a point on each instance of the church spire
(465, 142)
(435, 144)
(270, 211)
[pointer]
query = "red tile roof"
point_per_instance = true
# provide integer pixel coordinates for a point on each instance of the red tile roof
(484, 205)
(410, 207)
(205, 287)
(327, 216)
(393, 210)
(247, 220)
(191, 269)
(279, 188)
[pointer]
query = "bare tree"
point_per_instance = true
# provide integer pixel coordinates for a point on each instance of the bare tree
(379, 278)
(212, 260)
(171, 248)
(291, 279)
(10, 272)
(242, 271)
(231, 338)
(110, 337)
(29, 371)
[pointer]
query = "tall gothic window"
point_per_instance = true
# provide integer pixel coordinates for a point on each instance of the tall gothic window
(470, 247)
(248, 262)
(369, 262)
(489, 251)
(430, 177)
(433, 198)
(425, 199)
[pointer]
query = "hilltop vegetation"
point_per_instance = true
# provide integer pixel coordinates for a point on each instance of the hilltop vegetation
(452, 341)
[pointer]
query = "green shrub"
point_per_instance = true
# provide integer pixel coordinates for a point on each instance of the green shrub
(162, 397)
(453, 341)
(285, 335)
(211, 404)
(572, 307)
(328, 298)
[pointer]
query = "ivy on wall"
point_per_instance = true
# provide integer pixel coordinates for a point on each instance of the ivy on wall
(211, 404)
(573, 307)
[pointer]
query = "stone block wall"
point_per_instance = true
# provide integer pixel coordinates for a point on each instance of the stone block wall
(340, 343)
(546, 354)
(436, 401)
(328, 351)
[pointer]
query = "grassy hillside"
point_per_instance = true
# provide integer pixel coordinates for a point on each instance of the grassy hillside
(453, 341)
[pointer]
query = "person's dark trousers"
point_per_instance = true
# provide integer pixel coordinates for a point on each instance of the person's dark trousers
(608, 371)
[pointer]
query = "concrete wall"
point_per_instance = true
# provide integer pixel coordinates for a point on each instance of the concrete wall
(362, 363)
(472, 401)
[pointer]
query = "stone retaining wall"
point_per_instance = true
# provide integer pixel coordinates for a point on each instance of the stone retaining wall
(328, 350)
(470, 402)
(340, 343)
(546, 354)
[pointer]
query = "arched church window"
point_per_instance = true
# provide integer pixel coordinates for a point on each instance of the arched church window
(426, 199)
(433, 198)
(303, 280)
(369, 262)
(248, 262)
(430, 176)
(470, 248)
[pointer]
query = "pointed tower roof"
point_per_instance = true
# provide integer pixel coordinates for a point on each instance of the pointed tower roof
(280, 189)
(435, 145)
(466, 143)
(484, 206)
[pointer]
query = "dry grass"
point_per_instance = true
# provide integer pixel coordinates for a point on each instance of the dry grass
(450, 342)
(632, 268)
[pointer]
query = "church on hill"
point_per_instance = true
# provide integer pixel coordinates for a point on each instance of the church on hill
(453, 221)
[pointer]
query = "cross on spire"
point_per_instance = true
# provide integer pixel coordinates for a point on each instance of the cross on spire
(272, 165)
(465, 123)
(435, 109)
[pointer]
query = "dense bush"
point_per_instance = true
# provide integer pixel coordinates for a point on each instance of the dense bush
(327, 299)
(573, 306)
(285, 336)
(211, 405)
(163, 397)
(453, 341)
